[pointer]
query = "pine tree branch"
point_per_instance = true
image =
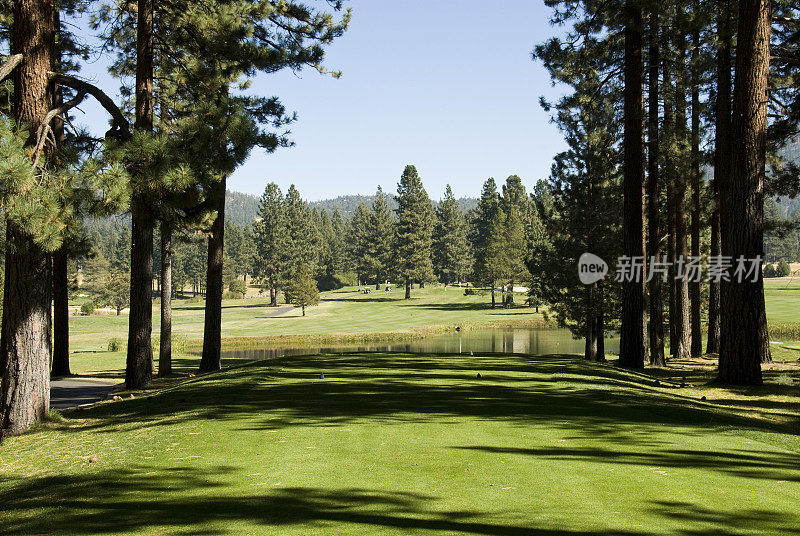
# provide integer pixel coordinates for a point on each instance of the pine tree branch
(120, 122)
(9, 65)
(44, 128)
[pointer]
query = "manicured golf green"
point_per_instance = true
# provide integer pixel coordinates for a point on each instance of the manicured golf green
(410, 444)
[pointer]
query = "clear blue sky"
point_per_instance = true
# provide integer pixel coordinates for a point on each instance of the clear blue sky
(446, 85)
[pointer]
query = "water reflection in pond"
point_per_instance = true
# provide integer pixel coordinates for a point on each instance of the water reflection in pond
(516, 341)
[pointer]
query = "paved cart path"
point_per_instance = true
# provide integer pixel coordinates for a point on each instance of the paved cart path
(72, 392)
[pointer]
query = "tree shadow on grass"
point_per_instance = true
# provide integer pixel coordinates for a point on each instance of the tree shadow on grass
(189, 501)
(710, 522)
(781, 466)
(393, 388)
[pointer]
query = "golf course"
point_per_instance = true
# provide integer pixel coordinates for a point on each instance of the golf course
(353, 268)
(391, 443)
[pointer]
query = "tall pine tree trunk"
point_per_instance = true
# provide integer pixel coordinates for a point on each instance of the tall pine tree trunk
(25, 339)
(60, 271)
(600, 320)
(656, 285)
(165, 349)
(722, 159)
(590, 351)
(212, 332)
(694, 285)
(744, 330)
(60, 314)
(672, 258)
(669, 175)
(139, 363)
(632, 343)
(682, 333)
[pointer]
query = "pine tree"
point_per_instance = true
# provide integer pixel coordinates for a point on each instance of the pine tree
(381, 235)
(360, 243)
(655, 228)
(414, 236)
(514, 268)
(339, 228)
(272, 239)
(488, 206)
(744, 340)
(520, 222)
(239, 40)
(43, 195)
(497, 266)
(451, 252)
(632, 335)
(116, 290)
(302, 234)
(301, 289)
(581, 206)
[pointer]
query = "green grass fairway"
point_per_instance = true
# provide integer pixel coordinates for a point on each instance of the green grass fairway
(782, 297)
(341, 312)
(402, 444)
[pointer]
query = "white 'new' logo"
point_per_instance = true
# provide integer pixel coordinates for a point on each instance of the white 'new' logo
(591, 268)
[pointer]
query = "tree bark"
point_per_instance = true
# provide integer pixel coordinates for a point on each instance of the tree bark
(694, 286)
(60, 365)
(679, 191)
(722, 163)
(212, 333)
(165, 349)
(408, 289)
(25, 339)
(632, 337)
(744, 330)
(60, 315)
(590, 352)
(600, 328)
(656, 285)
(139, 362)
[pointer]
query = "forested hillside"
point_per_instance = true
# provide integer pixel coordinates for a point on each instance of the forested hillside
(348, 204)
(240, 208)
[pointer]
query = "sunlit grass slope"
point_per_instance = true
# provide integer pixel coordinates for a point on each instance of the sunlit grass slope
(401, 444)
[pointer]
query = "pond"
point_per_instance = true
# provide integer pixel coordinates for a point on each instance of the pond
(539, 341)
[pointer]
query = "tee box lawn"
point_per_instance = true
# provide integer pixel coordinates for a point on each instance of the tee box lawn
(416, 444)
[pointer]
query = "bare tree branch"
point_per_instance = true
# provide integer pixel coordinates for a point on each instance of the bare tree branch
(120, 122)
(44, 128)
(10, 64)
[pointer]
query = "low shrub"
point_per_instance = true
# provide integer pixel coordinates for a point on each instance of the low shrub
(230, 295)
(783, 269)
(115, 345)
(770, 271)
(87, 308)
(238, 286)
